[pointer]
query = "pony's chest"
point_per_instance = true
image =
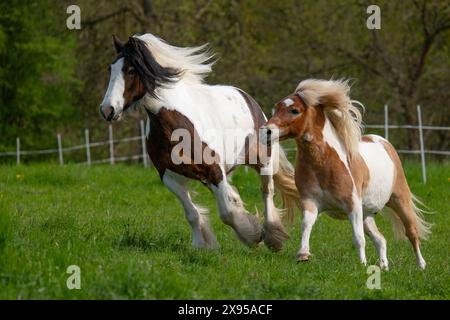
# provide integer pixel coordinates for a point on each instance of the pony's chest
(328, 181)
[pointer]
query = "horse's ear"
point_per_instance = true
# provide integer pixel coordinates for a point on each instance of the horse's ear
(118, 44)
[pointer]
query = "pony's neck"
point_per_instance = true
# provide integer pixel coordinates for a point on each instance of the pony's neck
(319, 135)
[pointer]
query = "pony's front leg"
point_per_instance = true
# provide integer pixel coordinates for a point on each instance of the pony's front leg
(274, 232)
(233, 213)
(202, 236)
(356, 219)
(310, 213)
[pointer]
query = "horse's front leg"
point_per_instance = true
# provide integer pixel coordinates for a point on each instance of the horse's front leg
(232, 212)
(274, 232)
(310, 213)
(202, 236)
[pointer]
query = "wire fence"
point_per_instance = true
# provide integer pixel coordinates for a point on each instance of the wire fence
(88, 145)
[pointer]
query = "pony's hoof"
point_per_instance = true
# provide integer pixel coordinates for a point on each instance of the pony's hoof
(303, 257)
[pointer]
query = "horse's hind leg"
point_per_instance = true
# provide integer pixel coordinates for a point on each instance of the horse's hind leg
(202, 236)
(274, 232)
(233, 213)
(370, 228)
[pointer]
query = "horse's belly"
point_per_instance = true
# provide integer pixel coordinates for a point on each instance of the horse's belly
(381, 169)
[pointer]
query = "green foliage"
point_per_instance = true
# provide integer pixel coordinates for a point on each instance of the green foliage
(37, 82)
(53, 79)
(131, 240)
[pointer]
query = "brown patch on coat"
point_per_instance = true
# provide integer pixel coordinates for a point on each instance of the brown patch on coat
(360, 173)
(159, 146)
(367, 138)
(134, 88)
(318, 166)
(252, 145)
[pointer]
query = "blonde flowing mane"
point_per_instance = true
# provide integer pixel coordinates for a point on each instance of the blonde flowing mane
(194, 62)
(344, 116)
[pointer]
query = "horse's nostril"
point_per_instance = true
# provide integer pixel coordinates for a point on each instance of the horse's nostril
(107, 113)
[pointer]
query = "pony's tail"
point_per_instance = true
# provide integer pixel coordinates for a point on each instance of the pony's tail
(284, 182)
(423, 227)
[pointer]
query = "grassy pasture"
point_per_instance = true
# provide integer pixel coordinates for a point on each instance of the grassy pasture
(129, 237)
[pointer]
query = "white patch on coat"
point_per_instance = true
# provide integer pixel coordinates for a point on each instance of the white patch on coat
(288, 102)
(381, 170)
(330, 137)
(116, 88)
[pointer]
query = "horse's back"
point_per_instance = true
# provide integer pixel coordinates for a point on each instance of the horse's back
(381, 171)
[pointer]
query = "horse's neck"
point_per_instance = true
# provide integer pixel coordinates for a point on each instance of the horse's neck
(319, 140)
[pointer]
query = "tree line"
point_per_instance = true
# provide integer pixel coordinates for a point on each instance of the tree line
(53, 79)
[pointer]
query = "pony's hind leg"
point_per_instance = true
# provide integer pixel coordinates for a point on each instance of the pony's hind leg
(370, 228)
(405, 211)
(202, 236)
(274, 232)
(233, 213)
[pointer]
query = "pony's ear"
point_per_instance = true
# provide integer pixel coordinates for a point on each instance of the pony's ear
(301, 99)
(118, 44)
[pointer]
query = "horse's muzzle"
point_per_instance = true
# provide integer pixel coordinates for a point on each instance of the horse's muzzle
(107, 113)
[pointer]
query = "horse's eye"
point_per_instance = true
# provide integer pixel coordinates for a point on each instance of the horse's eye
(131, 72)
(295, 111)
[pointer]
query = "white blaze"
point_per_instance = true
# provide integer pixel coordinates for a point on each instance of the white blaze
(288, 102)
(116, 88)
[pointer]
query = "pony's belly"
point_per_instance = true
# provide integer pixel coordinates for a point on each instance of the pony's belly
(382, 170)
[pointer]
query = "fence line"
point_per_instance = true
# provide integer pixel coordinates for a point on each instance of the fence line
(143, 155)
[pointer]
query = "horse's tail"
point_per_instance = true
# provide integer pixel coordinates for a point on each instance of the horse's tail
(284, 181)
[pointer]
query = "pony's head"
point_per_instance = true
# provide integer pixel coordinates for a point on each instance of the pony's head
(288, 120)
(145, 63)
(302, 114)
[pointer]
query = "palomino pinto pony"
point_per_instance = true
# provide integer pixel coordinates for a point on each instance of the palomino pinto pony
(341, 172)
(167, 82)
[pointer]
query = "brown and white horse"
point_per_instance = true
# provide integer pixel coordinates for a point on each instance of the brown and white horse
(341, 172)
(167, 82)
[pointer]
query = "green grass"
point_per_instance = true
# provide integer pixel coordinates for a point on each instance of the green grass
(129, 236)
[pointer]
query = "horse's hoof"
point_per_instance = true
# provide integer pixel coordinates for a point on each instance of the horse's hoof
(303, 257)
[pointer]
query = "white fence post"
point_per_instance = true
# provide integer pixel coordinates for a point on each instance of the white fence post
(88, 147)
(60, 152)
(111, 145)
(18, 150)
(386, 122)
(422, 147)
(144, 146)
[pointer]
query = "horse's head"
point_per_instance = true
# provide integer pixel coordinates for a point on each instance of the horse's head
(133, 74)
(289, 119)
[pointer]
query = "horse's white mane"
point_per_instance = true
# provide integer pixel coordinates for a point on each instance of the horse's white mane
(194, 62)
(333, 95)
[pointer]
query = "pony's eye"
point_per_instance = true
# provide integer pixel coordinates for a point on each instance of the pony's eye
(294, 111)
(131, 72)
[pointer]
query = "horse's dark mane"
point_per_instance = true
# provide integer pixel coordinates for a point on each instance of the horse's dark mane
(151, 73)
